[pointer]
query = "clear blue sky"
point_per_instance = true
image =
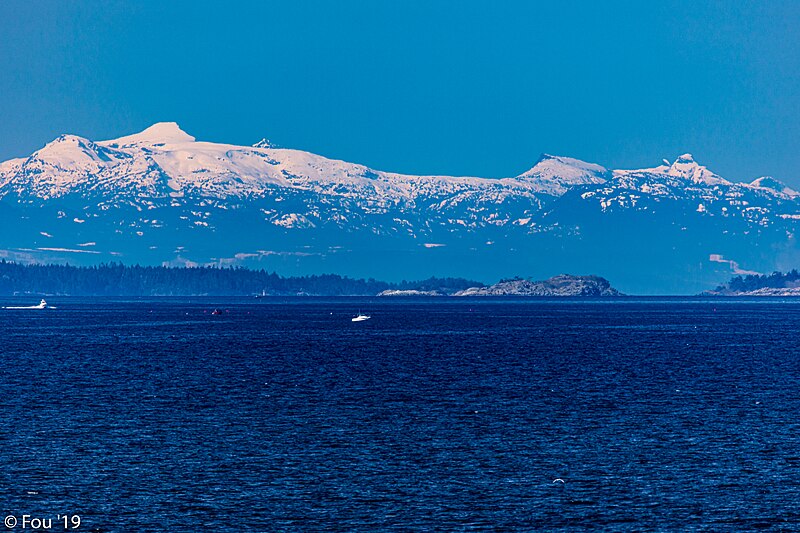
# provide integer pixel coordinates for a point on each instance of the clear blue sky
(477, 88)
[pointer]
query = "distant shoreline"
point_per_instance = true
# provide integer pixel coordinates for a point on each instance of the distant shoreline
(777, 284)
(117, 280)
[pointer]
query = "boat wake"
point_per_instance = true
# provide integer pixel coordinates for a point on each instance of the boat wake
(42, 305)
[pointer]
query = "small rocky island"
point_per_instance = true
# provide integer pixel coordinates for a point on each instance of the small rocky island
(562, 285)
(410, 292)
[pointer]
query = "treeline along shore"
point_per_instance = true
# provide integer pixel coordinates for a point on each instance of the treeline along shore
(116, 279)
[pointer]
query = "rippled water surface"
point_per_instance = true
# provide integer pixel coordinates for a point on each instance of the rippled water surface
(283, 415)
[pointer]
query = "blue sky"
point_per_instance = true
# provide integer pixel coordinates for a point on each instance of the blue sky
(465, 88)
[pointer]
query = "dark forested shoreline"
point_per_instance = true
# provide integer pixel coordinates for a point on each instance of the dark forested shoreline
(120, 280)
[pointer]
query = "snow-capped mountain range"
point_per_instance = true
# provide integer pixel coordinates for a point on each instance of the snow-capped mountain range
(161, 196)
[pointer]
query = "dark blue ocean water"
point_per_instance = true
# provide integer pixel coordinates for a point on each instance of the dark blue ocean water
(453, 415)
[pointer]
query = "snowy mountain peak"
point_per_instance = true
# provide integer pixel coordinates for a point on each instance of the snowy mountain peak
(770, 183)
(65, 142)
(160, 132)
(67, 150)
(559, 173)
(264, 143)
(549, 161)
(686, 167)
(565, 167)
(545, 157)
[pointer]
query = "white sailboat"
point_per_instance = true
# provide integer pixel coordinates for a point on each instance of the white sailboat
(360, 317)
(42, 305)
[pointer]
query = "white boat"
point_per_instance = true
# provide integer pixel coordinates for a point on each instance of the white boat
(360, 317)
(42, 305)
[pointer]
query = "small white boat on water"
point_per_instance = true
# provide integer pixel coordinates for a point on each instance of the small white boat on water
(360, 317)
(42, 305)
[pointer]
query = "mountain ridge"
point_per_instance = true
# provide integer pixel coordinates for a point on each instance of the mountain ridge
(160, 196)
(547, 168)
